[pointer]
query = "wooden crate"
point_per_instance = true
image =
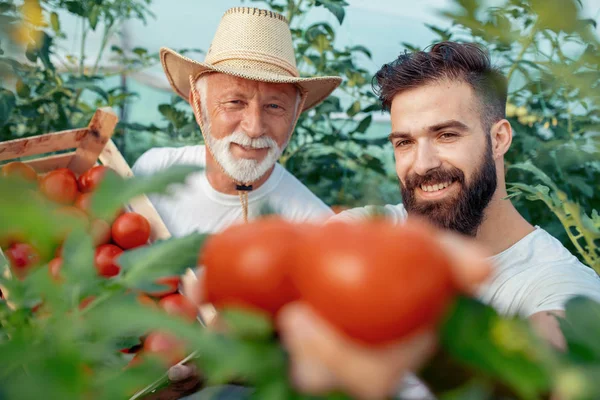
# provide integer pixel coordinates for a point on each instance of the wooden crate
(82, 149)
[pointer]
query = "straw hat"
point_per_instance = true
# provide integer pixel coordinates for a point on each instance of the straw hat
(253, 44)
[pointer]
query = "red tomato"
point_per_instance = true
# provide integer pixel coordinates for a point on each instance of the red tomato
(100, 232)
(19, 169)
(54, 267)
(22, 256)
(248, 265)
(171, 283)
(166, 346)
(131, 230)
(84, 201)
(89, 180)
(105, 261)
(375, 281)
(177, 304)
(60, 186)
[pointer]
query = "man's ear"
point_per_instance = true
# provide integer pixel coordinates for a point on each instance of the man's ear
(501, 135)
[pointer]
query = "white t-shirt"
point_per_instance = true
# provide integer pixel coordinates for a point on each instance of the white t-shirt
(198, 207)
(535, 274)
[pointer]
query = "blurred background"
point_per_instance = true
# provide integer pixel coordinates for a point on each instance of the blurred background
(62, 59)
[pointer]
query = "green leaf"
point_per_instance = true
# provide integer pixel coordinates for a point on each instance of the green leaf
(114, 191)
(93, 17)
(336, 7)
(504, 349)
(7, 105)
(361, 49)
(364, 124)
(581, 328)
(248, 324)
(75, 7)
(143, 265)
(55, 22)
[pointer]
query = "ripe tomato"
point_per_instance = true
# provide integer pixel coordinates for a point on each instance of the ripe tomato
(131, 230)
(375, 281)
(247, 265)
(89, 180)
(84, 201)
(60, 186)
(21, 170)
(100, 232)
(105, 260)
(22, 256)
(177, 304)
(171, 283)
(166, 346)
(54, 267)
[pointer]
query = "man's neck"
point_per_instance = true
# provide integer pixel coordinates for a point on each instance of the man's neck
(502, 226)
(221, 182)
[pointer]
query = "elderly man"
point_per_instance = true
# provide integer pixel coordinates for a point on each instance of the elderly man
(247, 97)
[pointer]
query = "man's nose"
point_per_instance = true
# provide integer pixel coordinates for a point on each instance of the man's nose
(426, 159)
(253, 122)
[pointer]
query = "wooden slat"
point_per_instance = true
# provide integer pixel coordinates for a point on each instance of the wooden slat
(100, 130)
(45, 164)
(111, 157)
(41, 144)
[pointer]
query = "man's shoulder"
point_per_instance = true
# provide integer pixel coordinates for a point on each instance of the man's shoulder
(159, 158)
(394, 212)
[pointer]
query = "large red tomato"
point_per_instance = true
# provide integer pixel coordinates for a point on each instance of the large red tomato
(247, 265)
(130, 230)
(105, 260)
(89, 180)
(166, 346)
(60, 186)
(22, 256)
(170, 284)
(19, 169)
(177, 304)
(375, 281)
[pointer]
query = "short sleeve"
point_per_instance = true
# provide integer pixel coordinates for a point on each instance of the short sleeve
(557, 284)
(148, 163)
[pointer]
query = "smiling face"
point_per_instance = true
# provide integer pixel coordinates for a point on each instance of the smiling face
(247, 124)
(443, 156)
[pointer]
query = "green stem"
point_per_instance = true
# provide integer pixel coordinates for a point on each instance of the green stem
(526, 45)
(106, 36)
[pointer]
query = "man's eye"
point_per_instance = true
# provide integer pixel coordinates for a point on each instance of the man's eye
(274, 106)
(448, 135)
(402, 143)
(235, 102)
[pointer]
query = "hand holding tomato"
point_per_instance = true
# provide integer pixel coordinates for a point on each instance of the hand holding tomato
(323, 358)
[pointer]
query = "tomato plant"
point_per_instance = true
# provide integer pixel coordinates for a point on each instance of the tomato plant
(22, 256)
(130, 230)
(247, 265)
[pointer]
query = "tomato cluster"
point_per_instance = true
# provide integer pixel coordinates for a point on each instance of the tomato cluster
(375, 281)
(72, 196)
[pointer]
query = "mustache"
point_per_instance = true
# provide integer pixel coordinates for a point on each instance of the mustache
(433, 177)
(242, 139)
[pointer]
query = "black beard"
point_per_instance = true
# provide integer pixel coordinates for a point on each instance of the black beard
(463, 213)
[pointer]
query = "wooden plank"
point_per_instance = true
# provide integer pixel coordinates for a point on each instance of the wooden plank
(46, 164)
(41, 144)
(111, 157)
(100, 130)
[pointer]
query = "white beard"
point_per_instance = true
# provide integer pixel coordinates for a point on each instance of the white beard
(242, 170)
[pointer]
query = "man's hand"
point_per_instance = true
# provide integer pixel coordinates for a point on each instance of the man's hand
(323, 359)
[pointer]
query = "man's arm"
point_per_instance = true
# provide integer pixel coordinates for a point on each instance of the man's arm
(545, 324)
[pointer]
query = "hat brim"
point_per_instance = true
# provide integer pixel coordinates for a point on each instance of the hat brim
(178, 69)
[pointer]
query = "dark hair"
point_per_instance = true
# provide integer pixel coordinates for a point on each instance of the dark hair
(465, 62)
